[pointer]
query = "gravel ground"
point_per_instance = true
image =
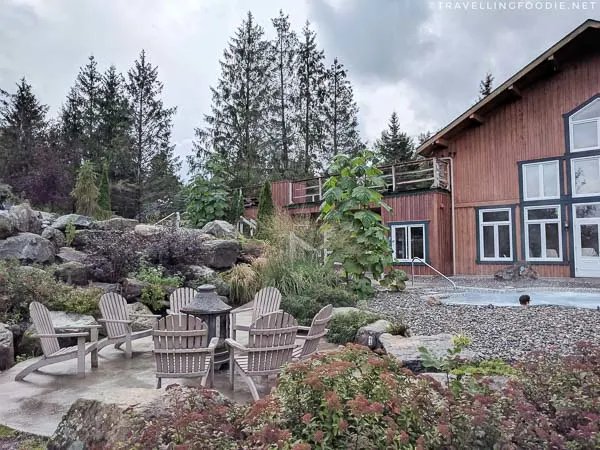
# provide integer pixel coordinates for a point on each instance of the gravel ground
(496, 332)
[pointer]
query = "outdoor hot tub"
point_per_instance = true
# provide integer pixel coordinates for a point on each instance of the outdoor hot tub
(575, 299)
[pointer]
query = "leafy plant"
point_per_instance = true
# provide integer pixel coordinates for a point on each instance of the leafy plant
(266, 209)
(244, 282)
(207, 199)
(154, 294)
(398, 329)
(344, 326)
(236, 209)
(86, 192)
(355, 234)
(70, 233)
(486, 368)
(449, 362)
(395, 280)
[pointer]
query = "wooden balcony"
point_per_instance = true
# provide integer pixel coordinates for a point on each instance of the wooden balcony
(431, 173)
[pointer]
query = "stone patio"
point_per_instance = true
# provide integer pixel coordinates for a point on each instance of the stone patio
(37, 404)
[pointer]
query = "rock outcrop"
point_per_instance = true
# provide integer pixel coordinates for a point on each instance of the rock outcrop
(7, 350)
(27, 247)
(77, 220)
(68, 254)
(518, 271)
(406, 349)
(220, 229)
(55, 236)
(369, 334)
(7, 225)
(26, 219)
(116, 224)
(219, 253)
(72, 272)
(135, 311)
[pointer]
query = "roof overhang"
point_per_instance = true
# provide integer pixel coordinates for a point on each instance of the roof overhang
(581, 41)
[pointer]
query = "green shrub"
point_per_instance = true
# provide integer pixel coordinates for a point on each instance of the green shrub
(486, 367)
(344, 326)
(77, 300)
(154, 294)
(398, 329)
(70, 233)
(244, 282)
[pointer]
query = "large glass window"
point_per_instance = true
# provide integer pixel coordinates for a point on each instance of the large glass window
(585, 176)
(543, 239)
(408, 241)
(585, 128)
(495, 234)
(541, 180)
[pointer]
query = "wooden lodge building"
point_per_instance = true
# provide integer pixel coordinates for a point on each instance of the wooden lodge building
(514, 178)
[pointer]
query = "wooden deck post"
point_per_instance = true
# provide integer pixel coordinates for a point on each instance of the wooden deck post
(394, 178)
(320, 189)
(290, 192)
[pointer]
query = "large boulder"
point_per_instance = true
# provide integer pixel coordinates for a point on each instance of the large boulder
(406, 349)
(518, 271)
(148, 230)
(220, 229)
(72, 272)
(47, 218)
(27, 247)
(132, 289)
(219, 253)
(26, 219)
(137, 309)
(200, 272)
(369, 334)
(7, 224)
(68, 254)
(77, 220)
(116, 224)
(95, 424)
(85, 238)
(55, 236)
(7, 350)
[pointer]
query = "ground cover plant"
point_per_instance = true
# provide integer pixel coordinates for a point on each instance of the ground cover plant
(357, 399)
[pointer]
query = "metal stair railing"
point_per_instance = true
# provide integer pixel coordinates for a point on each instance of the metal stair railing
(421, 260)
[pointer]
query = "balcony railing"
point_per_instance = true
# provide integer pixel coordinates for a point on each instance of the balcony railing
(431, 173)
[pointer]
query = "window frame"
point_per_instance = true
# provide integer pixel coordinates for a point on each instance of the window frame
(495, 224)
(572, 163)
(572, 122)
(541, 165)
(407, 225)
(542, 223)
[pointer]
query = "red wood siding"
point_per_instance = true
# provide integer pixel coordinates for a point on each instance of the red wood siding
(434, 207)
(486, 157)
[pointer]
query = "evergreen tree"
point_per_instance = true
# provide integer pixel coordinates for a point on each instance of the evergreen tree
(88, 86)
(266, 209)
(104, 191)
(423, 137)
(485, 86)
(237, 207)
(394, 146)
(22, 131)
(86, 192)
(311, 78)
(163, 184)
(341, 122)
(283, 129)
(235, 133)
(151, 127)
(114, 137)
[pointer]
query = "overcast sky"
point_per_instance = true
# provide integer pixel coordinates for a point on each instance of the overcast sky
(422, 59)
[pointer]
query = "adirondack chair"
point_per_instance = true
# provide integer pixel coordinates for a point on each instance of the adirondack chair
(118, 323)
(266, 301)
(50, 347)
(271, 342)
(179, 298)
(182, 350)
(317, 329)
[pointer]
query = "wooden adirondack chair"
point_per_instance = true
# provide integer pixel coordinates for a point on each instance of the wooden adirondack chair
(271, 342)
(49, 339)
(179, 298)
(118, 323)
(182, 350)
(317, 329)
(266, 301)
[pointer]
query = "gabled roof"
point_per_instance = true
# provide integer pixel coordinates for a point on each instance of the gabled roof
(583, 39)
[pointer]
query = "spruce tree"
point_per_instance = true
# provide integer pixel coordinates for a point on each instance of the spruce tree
(423, 137)
(88, 85)
(235, 132)
(104, 191)
(22, 131)
(86, 192)
(284, 49)
(394, 146)
(311, 79)
(266, 210)
(114, 137)
(485, 86)
(237, 207)
(151, 127)
(341, 133)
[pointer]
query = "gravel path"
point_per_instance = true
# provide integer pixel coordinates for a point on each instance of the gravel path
(496, 332)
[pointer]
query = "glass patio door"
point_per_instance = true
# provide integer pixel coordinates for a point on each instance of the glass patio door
(587, 239)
